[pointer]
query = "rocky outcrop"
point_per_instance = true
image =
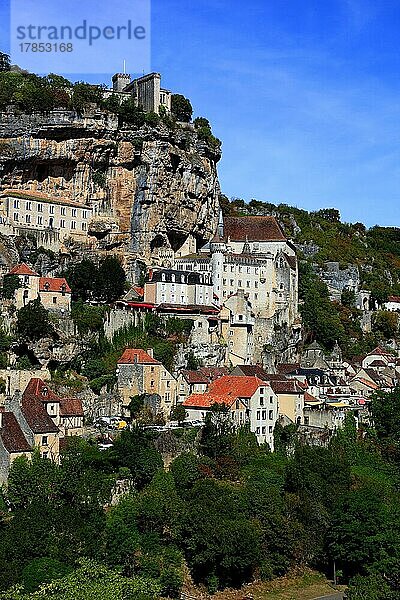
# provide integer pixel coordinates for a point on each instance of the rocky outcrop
(151, 187)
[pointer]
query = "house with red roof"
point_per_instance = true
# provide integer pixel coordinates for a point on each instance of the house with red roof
(138, 372)
(377, 357)
(250, 400)
(54, 292)
(13, 443)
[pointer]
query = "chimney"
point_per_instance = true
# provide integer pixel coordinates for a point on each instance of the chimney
(150, 352)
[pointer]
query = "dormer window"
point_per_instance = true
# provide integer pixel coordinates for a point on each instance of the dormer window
(44, 391)
(47, 286)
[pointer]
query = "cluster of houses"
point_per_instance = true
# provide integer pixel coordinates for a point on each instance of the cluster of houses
(38, 419)
(315, 394)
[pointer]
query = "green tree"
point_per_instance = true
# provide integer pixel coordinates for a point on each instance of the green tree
(178, 413)
(10, 284)
(111, 279)
(85, 94)
(181, 108)
(33, 321)
(386, 323)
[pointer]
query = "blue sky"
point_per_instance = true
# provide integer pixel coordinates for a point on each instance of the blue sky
(304, 95)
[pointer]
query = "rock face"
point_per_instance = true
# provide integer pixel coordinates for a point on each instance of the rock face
(151, 187)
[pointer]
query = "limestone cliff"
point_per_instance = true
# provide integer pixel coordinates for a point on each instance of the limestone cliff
(151, 187)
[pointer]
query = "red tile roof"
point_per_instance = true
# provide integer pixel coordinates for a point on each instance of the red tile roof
(71, 407)
(309, 398)
(193, 377)
(53, 284)
(137, 355)
(33, 409)
(379, 351)
(12, 436)
(254, 229)
(288, 386)
(226, 390)
(213, 373)
(37, 388)
(394, 299)
(22, 269)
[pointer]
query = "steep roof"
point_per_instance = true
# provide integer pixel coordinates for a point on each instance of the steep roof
(137, 355)
(12, 436)
(253, 229)
(33, 409)
(22, 269)
(193, 377)
(37, 388)
(71, 407)
(253, 371)
(53, 284)
(213, 373)
(379, 351)
(288, 386)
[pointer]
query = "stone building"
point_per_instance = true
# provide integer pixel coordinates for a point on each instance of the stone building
(168, 286)
(32, 211)
(251, 402)
(53, 292)
(146, 91)
(138, 372)
(251, 257)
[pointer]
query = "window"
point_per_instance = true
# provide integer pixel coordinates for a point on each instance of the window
(29, 206)
(230, 332)
(45, 454)
(237, 404)
(264, 415)
(27, 218)
(51, 209)
(258, 415)
(261, 401)
(40, 207)
(84, 226)
(40, 220)
(270, 429)
(257, 431)
(45, 440)
(256, 284)
(16, 217)
(74, 212)
(263, 430)
(240, 283)
(240, 269)
(271, 399)
(54, 299)
(151, 369)
(240, 317)
(232, 282)
(248, 284)
(261, 391)
(224, 282)
(62, 223)
(73, 225)
(255, 296)
(271, 415)
(168, 384)
(152, 383)
(63, 211)
(16, 203)
(84, 214)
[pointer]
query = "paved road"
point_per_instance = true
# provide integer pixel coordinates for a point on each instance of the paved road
(336, 596)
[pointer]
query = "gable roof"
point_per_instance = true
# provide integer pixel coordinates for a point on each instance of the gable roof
(138, 356)
(71, 407)
(286, 386)
(53, 284)
(226, 390)
(22, 269)
(37, 388)
(213, 373)
(12, 436)
(253, 229)
(379, 351)
(193, 377)
(33, 407)
(253, 371)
